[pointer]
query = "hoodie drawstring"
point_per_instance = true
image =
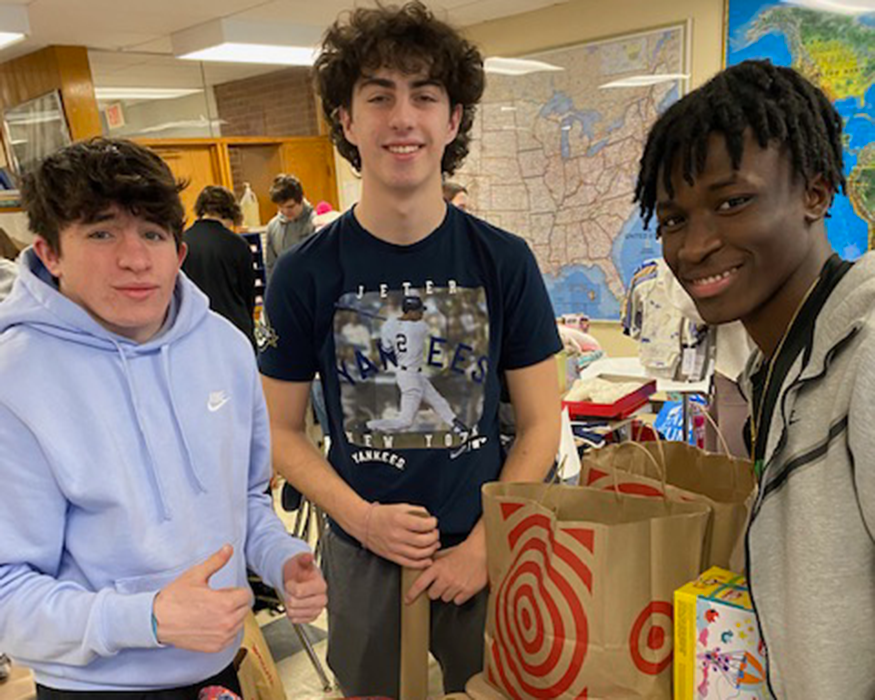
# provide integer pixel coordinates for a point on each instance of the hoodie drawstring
(154, 476)
(189, 458)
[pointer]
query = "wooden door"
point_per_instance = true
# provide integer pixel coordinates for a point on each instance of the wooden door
(258, 165)
(311, 160)
(196, 164)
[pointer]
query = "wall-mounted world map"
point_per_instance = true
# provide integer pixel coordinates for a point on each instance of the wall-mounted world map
(837, 53)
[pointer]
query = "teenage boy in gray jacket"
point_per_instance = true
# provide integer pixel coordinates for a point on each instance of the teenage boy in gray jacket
(293, 221)
(741, 174)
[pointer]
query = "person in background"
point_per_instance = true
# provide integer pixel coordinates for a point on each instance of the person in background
(136, 452)
(293, 221)
(455, 194)
(219, 261)
(399, 89)
(741, 174)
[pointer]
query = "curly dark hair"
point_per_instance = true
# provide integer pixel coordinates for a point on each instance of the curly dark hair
(409, 39)
(775, 103)
(79, 182)
(286, 187)
(218, 201)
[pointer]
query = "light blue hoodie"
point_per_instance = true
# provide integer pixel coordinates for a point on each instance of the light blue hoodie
(121, 466)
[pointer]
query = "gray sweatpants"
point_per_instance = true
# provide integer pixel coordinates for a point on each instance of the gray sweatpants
(364, 624)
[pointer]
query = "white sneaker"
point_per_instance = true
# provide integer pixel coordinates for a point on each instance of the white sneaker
(5, 668)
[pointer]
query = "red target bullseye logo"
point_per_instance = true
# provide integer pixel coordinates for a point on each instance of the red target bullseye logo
(538, 609)
(651, 636)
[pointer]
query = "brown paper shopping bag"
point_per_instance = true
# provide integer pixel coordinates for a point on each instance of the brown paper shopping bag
(259, 679)
(728, 484)
(581, 585)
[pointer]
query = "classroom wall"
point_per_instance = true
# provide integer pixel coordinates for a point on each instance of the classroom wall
(279, 103)
(584, 20)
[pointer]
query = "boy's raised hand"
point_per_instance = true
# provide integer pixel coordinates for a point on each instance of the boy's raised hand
(306, 590)
(193, 616)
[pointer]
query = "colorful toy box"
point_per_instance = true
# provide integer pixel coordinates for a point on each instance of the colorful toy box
(718, 653)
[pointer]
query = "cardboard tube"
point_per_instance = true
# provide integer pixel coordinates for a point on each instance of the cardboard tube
(414, 640)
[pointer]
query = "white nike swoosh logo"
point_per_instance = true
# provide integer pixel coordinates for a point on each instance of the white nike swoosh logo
(216, 402)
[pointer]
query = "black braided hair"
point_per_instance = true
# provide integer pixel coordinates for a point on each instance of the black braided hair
(775, 103)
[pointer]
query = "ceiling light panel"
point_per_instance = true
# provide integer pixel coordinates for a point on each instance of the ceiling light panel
(106, 94)
(14, 24)
(239, 41)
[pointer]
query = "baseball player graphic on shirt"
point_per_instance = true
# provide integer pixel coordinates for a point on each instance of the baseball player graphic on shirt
(406, 337)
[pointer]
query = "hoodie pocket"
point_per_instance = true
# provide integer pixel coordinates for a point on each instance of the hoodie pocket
(148, 583)
(233, 574)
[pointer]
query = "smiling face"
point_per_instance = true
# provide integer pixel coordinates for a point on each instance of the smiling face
(401, 123)
(121, 269)
(747, 243)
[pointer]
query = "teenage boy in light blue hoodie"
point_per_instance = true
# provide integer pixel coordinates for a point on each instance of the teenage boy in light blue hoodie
(135, 454)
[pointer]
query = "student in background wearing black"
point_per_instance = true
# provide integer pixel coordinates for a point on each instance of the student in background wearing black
(219, 261)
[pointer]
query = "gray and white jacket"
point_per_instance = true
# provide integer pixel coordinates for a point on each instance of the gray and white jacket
(810, 547)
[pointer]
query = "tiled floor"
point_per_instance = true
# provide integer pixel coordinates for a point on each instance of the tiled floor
(302, 683)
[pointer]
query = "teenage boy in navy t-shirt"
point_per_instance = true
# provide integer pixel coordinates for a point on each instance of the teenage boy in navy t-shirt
(413, 418)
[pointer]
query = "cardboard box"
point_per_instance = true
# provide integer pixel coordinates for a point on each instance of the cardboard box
(718, 653)
(623, 407)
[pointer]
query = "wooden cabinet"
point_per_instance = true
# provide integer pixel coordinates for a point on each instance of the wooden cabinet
(311, 160)
(63, 68)
(198, 165)
(231, 161)
(256, 164)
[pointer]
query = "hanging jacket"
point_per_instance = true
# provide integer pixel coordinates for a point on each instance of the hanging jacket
(122, 466)
(810, 547)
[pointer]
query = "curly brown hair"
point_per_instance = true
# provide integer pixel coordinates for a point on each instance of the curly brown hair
(407, 38)
(81, 181)
(214, 200)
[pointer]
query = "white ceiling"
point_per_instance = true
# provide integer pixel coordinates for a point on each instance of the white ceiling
(129, 40)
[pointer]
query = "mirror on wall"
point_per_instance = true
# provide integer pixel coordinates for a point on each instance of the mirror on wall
(156, 96)
(32, 130)
(141, 95)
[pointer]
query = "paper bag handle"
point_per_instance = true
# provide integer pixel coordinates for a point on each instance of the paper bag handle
(726, 448)
(660, 468)
(725, 445)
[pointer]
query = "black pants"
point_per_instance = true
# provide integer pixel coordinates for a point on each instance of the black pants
(226, 678)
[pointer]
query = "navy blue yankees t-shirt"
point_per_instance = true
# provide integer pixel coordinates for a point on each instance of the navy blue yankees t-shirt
(409, 342)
